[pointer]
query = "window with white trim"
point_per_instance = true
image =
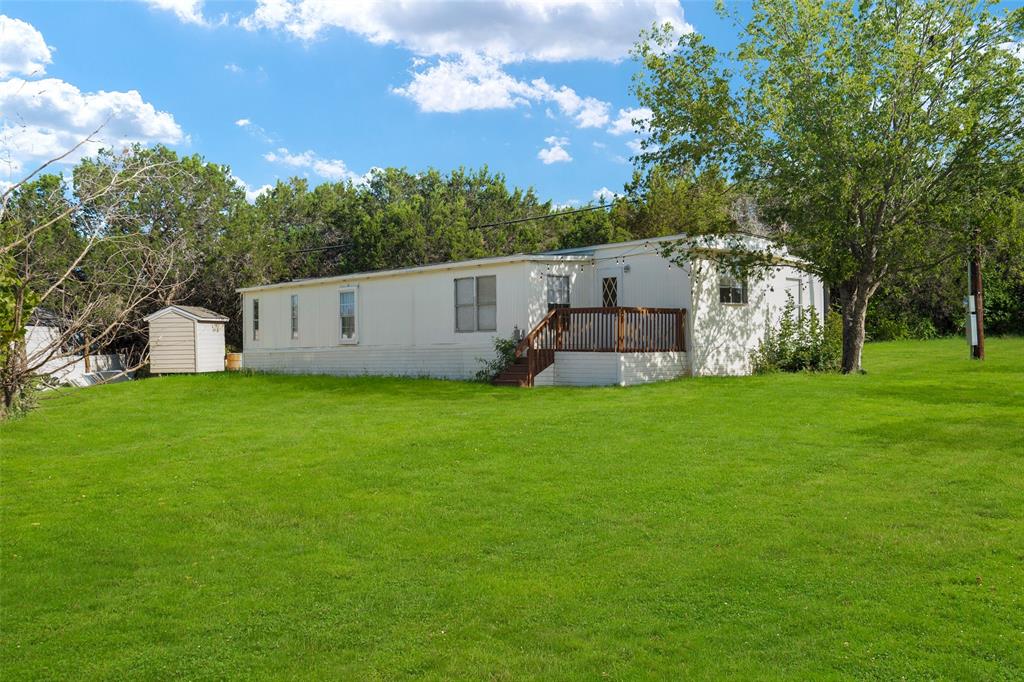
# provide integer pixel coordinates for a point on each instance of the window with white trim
(732, 289)
(295, 316)
(347, 315)
(558, 291)
(476, 304)
(255, 319)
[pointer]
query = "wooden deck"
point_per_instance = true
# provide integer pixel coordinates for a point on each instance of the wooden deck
(595, 330)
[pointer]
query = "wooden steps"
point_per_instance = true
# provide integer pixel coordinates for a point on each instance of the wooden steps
(517, 374)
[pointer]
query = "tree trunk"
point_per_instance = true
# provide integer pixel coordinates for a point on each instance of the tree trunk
(854, 297)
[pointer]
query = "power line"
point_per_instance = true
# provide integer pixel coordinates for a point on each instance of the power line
(541, 217)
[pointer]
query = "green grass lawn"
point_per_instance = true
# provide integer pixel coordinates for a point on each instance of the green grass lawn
(308, 527)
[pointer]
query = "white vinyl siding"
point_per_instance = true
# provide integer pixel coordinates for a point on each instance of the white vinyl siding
(209, 347)
(172, 344)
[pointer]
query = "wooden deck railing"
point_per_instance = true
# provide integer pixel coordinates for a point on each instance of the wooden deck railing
(602, 330)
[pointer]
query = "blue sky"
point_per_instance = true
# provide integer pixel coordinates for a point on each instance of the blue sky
(536, 89)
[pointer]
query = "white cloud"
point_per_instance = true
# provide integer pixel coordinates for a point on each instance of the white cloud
(513, 30)
(472, 82)
(22, 48)
(468, 83)
(251, 193)
(329, 169)
(623, 124)
(604, 194)
(588, 112)
(635, 146)
(188, 11)
(233, 68)
(556, 152)
(45, 118)
(256, 131)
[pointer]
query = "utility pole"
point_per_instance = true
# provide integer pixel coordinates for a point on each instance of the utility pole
(976, 304)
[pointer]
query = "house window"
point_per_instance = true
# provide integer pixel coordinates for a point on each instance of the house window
(255, 319)
(732, 289)
(610, 292)
(476, 304)
(347, 315)
(295, 316)
(558, 291)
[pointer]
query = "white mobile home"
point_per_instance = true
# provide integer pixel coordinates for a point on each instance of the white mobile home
(606, 314)
(65, 357)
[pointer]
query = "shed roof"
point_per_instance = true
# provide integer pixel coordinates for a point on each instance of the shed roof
(192, 312)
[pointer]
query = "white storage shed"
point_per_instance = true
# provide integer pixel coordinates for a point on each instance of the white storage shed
(185, 339)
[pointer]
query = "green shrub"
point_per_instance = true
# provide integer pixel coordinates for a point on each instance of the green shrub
(504, 356)
(801, 343)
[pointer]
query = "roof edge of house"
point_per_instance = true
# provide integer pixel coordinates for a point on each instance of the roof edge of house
(451, 265)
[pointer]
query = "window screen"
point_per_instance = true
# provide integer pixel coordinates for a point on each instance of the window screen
(732, 289)
(295, 316)
(465, 304)
(255, 319)
(476, 304)
(347, 314)
(558, 291)
(487, 303)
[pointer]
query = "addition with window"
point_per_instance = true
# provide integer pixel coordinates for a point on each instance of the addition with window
(732, 289)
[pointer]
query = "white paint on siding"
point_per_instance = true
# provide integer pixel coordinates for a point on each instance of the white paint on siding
(210, 347)
(406, 325)
(406, 319)
(724, 335)
(644, 368)
(452, 362)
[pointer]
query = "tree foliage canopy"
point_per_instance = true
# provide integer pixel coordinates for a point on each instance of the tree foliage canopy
(878, 136)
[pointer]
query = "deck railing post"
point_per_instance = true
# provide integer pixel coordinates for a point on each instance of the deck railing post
(621, 334)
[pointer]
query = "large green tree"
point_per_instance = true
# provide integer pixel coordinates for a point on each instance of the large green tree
(872, 133)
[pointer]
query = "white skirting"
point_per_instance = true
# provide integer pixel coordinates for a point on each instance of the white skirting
(462, 362)
(613, 369)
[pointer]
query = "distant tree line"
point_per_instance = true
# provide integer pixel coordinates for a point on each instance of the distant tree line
(212, 241)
